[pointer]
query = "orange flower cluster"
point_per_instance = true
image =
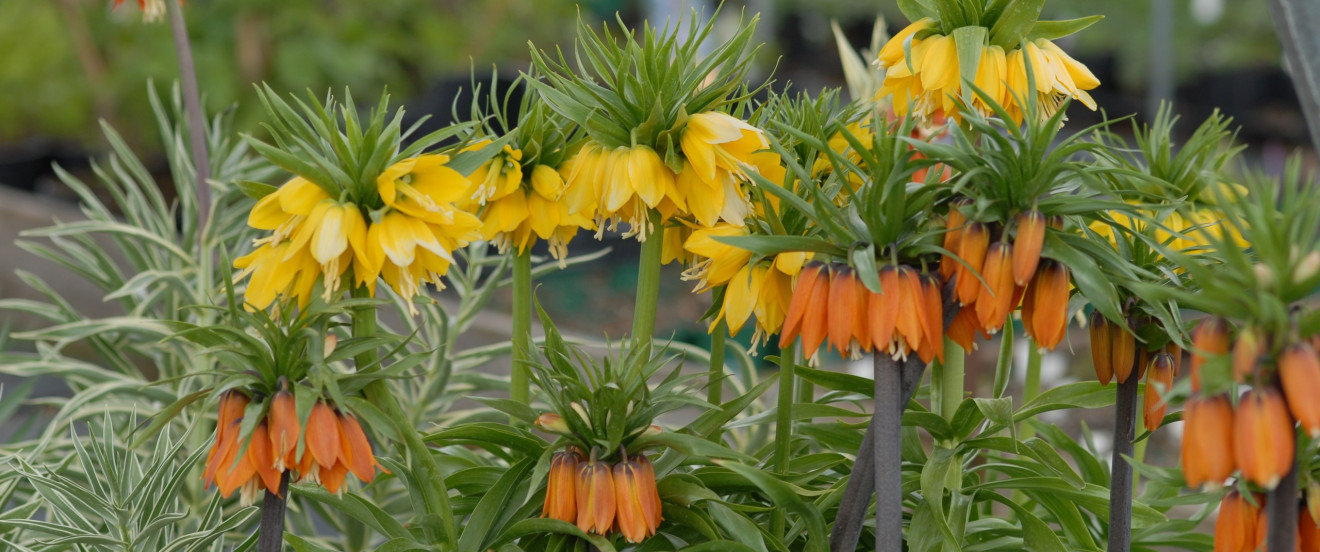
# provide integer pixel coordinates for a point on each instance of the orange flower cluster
(830, 303)
(334, 446)
(1116, 355)
(600, 498)
(1010, 274)
(1262, 425)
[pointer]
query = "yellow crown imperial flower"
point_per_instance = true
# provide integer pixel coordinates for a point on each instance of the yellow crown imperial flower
(923, 73)
(535, 211)
(719, 152)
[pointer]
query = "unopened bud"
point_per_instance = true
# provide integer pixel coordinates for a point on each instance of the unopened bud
(1307, 268)
(331, 342)
(553, 423)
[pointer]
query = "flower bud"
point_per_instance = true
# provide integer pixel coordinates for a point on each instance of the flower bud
(553, 423)
(1207, 444)
(1159, 380)
(1307, 268)
(995, 299)
(1263, 437)
(581, 412)
(561, 487)
(1048, 299)
(1026, 248)
(1299, 375)
(972, 250)
(1209, 338)
(1124, 351)
(1101, 348)
(1176, 352)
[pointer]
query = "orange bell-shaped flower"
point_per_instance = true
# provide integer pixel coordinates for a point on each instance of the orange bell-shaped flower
(1239, 527)
(595, 497)
(962, 330)
(232, 404)
(995, 300)
(561, 486)
(910, 324)
(933, 315)
(1026, 248)
(1263, 437)
(1207, 444)
(1123, 351)
(284, 430)
(1159, 380)
(1045, 308)
(636, 499)
(1102, 348)
(847, 314)
(355, 451)
(972, 248)
(1299, 375)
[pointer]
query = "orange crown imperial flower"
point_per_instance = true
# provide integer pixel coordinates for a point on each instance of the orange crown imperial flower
(1241, 523)
(334, 446)
(1263, 442)
(1209, 338)
(1299, 374)
(1207, 445)
(1102, 347)
(561, 486)
(595, 496)
(1159, 380)
(637, 499)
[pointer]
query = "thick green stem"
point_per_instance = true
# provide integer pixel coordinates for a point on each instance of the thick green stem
(1031, 387)
(952, 379)
(519, 388)
(430, 482)
(783, 427)
(648, 282)
(715, 378)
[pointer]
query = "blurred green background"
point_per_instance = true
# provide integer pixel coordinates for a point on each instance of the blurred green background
(66, 63)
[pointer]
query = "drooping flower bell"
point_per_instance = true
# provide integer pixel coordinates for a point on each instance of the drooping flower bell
(534, 211)
(1159, 381)
(718, 148)
(1299, 375)
(1045, 304)
(637, 499)
(1263, 442)
(595, 496)
(1207, 443)
(995, 299)
(1101, 347)
(561, 486)
(1241, 523)
(335, 445)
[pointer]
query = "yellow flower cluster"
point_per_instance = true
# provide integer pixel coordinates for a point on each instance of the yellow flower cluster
(519, 209)
(407, 242)
(924, 76)
(613, 185)
(763, 288)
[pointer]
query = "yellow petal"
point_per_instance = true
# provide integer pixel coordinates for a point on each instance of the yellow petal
(939, 65)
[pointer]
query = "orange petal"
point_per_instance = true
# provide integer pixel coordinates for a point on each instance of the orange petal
(323, 435)
(333, 478)
(1158, 382)
(1207, 447)
(934, 311)
(284, 430)
(816, 318)
(1050, 301)
(356, 449)
(910, 323)
(994, 301)
(797, 307)
(1026, 248)
(263, 460)
(1124, 351)
(561, 487)
(972, 249)
(628, 503)
(882, 309)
